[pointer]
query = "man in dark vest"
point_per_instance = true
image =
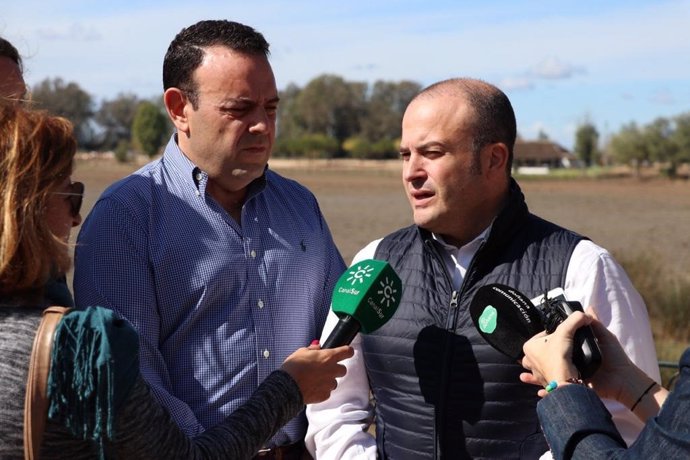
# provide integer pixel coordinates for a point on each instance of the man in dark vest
(439, 390)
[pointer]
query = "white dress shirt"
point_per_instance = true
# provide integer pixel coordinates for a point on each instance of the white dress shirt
(338, 426)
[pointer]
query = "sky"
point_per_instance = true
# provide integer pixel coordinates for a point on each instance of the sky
(561, 63)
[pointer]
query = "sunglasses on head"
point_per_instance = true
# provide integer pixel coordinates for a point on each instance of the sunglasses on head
(76, 196)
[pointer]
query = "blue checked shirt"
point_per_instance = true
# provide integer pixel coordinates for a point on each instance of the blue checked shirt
(218, 306)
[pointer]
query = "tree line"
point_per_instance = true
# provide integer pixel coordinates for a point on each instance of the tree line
(124, 125)
(664, 141)
(328, 118)
(331, 117)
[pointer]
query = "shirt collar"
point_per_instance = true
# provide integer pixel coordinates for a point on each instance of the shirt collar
(457, 260)
(472, 244)
(194, 176)
(183, 166)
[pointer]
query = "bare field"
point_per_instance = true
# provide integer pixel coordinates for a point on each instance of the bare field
(364, 200)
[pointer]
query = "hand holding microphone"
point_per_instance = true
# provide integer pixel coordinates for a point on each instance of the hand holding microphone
(364, 298)
(315, 370)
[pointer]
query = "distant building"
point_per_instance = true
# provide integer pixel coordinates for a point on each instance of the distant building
(541, 156)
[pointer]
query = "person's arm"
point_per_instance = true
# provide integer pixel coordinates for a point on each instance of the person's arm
(595, 279)
(621, 380)
(548, 357)
(112, 270)
(143, 429)
(575, 422)
(578, 426)
(308, 375)
(338, 426)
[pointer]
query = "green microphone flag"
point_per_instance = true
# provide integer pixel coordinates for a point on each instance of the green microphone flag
(364, 298)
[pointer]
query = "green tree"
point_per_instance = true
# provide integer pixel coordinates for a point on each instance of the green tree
(116, 118)
(628, 146)
(659, 143)
(385, 107)
(122, 151)
(357, 147)
(67, 100)
(586, 141)
(149, 128)
(681, 137)
(330, 106)
(309, 146)
(288, 123)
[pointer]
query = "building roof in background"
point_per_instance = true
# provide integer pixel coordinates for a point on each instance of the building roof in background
(545, 150)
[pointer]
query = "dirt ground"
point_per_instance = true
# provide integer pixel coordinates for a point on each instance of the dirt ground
(626, 216)
(364, 201)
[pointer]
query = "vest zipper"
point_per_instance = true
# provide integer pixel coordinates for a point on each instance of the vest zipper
(454, 300)
(450, 327)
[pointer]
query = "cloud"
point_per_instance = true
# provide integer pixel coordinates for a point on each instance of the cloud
(663, 96)
(530, 131)
(75, 32)
(516, 84)
(365, 67)
(553, 68)
(550, 68)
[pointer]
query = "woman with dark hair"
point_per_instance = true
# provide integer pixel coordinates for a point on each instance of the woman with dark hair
(99, 405)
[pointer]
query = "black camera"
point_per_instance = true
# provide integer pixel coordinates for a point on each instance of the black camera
(586, 352)
(506, 319)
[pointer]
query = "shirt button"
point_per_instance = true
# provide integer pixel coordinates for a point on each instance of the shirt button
(260, 303)
(198, 176)
(266, 354)
(253, 254)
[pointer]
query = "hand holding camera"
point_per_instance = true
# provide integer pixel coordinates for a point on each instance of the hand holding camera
(507, 319)
(586, 352)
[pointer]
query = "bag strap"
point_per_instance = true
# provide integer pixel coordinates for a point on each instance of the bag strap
(36, 400)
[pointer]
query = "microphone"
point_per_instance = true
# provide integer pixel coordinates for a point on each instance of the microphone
(506, 319)
(364, 298)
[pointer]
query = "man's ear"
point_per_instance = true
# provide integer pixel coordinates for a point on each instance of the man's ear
(176, 104)
(496, 158)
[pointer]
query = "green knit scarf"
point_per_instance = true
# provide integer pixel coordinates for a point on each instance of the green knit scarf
(94, 364)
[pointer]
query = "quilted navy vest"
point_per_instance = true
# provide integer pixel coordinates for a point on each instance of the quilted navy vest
(441, 391)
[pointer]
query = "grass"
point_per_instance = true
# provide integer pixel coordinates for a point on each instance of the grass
(667, 298)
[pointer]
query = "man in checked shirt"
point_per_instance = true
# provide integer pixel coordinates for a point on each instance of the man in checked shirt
(222, 265)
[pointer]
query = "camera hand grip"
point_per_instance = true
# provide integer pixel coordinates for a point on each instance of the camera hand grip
(586, 352)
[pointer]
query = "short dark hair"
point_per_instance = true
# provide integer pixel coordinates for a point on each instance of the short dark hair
(186, 51)
(494, 116)
(8, 50)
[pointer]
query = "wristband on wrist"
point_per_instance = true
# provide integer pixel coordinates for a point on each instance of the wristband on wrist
(632, 409)
(552, 385)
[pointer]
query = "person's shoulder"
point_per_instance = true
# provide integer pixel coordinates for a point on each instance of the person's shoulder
(137, 184)
(367, 252)
(589, 257)
(685, 358)
(589, 249)
(550, 226)
(286, 186)
(403, 233)
(278, 180)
